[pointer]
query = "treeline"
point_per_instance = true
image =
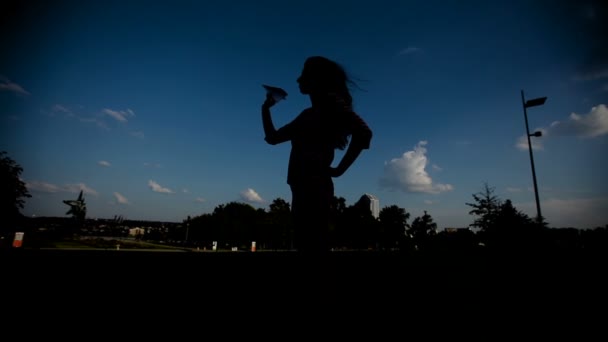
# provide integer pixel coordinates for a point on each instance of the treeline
(498, 224)
(237, 224)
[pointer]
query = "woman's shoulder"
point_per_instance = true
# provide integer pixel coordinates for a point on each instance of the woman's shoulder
(307, 113)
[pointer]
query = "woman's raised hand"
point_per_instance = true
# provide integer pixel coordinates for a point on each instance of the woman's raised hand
(270, 101)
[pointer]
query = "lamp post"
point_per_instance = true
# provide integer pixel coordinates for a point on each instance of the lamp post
(527, 104)
(187, 228)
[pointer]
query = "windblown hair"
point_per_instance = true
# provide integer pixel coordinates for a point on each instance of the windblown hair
(332, 85)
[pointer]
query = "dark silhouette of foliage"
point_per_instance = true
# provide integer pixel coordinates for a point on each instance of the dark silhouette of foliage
(200, 230)
(338, 206)
(456, 239)
(485, 208)
(423, 230)
(78, 208)
(279, 205)
(336, 213)
(502, 225)
(278, 231)
(423, 226)
(238, 223)
(12, 190)
(358, 227)
(509, 216)
(513, 228)
(393, 226)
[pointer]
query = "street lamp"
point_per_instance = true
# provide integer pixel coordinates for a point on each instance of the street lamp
(187, 228)
(526, 104)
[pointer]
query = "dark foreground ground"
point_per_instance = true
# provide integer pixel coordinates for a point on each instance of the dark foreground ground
(443, 269)
(346, 295)
(514, 290)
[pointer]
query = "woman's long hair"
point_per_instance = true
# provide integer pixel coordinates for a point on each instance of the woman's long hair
(332, 84)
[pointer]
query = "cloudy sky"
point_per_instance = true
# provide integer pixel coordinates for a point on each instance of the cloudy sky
(152, 108)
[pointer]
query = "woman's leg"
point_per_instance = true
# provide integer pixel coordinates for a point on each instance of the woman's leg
(310, 209)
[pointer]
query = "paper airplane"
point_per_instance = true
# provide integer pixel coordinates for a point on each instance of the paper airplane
(277, 93)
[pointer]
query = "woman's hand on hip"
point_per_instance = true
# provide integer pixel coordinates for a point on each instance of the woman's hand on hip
(335, 172)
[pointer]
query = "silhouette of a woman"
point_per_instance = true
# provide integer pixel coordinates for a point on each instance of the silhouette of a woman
(314, 134)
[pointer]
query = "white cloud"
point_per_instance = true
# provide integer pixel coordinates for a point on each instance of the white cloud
(8, 85)
(53, 188)
(576, 212)
(95, 121)
(429, 202)
(120, 198)
(42, 186)
(409, 50)
(185, 191)
(436, 167)
(408, 173)
(591, 75)
(158, 188)
(104, 163)
(76, 188)
(70, 113)
(590, 125)
(251, 196)
(61, 109)
(199, 199)
(537, 142)
(119, 115)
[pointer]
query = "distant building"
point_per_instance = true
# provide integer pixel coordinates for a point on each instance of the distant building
(137, 231)
(372, 202)
(456, 230)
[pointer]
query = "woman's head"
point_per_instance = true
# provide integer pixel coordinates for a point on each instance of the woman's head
(324, 76)
(328, 82)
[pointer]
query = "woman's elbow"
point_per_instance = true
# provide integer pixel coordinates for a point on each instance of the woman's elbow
(271, 140)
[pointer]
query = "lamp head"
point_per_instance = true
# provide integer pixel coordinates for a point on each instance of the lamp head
(535, 102)
(537, 134)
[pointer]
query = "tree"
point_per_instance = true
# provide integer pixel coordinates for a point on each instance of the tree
(423, 226)
(393, 223)
(509, 216)
(485, 208)
(336, 222)
(279, 225)
(12, 190)
(514, 228)
(203, 229)
(351, 226)
(279, 205)
(78, 208)
(337, 207)
(238, 223)
(501, 224)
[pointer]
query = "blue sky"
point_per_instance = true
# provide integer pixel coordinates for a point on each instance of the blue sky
(153, 107)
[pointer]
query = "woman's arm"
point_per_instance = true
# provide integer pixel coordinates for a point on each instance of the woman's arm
(360, 140)
(352, 153)
(269, 130)
(276, 136)
(272, 136)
